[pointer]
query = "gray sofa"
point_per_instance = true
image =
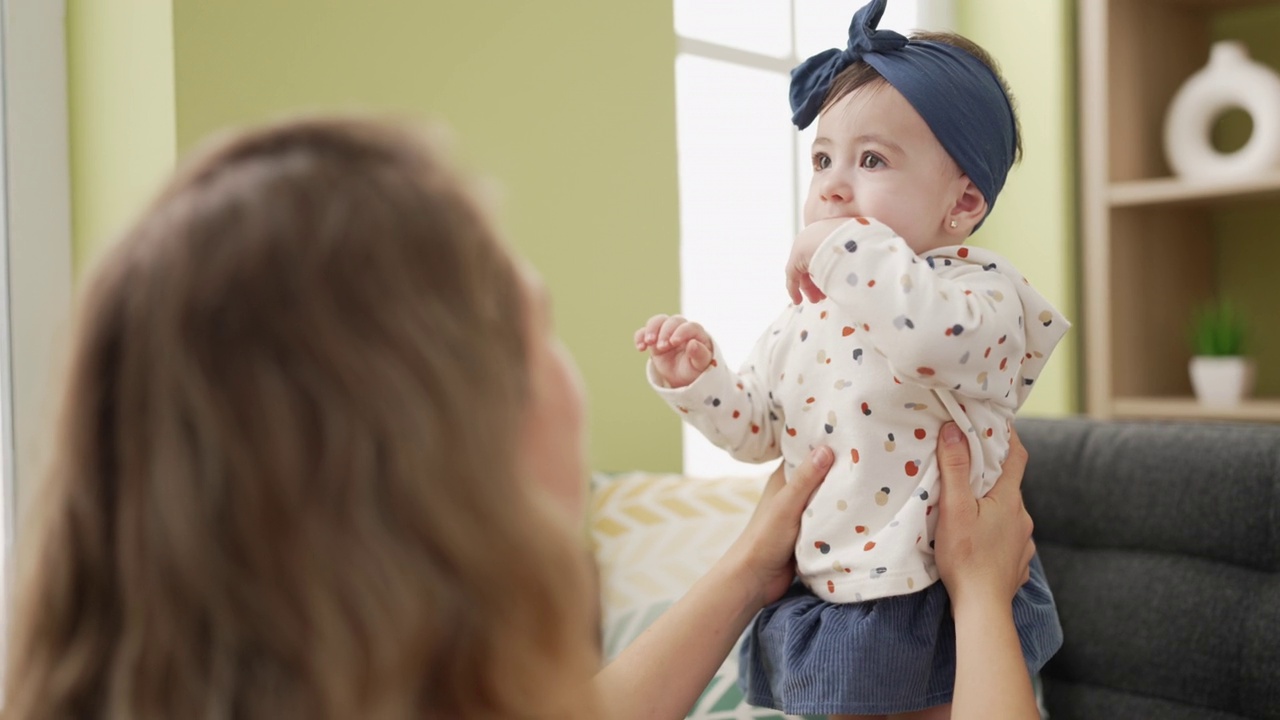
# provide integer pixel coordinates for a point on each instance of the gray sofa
(1161, 542)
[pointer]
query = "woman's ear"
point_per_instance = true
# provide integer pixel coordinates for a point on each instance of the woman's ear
(968, 210)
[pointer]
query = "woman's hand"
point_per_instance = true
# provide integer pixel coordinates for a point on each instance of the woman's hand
(766, 548)
(983, 546)
(662, 673)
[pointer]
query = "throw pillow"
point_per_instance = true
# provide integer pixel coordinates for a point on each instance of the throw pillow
(653, 536)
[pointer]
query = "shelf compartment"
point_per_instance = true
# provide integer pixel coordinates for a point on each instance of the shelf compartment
(1177, 191)
(1161, 268)
(1187, 408)
(1154, 246)
(1214, 5)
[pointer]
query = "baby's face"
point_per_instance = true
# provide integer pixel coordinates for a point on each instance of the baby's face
(875, 157)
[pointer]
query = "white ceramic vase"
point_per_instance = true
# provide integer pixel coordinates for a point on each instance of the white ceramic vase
(1230, 80)
(1221, 381)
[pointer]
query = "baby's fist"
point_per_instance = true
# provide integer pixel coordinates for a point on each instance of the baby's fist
(800, 284)
(680, 350)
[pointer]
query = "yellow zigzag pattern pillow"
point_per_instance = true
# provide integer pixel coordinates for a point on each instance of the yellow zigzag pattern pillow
(653, 536)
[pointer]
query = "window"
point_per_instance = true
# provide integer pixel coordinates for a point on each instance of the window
(743, 168)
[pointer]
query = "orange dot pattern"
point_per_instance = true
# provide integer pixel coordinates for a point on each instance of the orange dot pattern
(901, 344)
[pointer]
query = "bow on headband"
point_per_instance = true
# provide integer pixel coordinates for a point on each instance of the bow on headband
(811, 79)
(958, 96)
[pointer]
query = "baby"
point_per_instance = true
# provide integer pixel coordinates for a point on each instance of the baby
(905, 329)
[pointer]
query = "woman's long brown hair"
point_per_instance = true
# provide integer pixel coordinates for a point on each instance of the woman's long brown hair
(286, 482)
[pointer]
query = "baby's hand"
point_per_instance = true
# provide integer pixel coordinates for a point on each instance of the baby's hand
(802, 250)
(681, 350)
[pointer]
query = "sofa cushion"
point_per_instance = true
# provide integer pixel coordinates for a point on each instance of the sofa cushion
(1161, 542)
(653, 536)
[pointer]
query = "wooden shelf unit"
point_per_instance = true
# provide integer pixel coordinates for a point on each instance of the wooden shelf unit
(1177, 191)
(1158, 408)
(1149, 250)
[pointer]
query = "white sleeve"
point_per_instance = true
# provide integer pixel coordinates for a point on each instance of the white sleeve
(735, 411)
(941, 323)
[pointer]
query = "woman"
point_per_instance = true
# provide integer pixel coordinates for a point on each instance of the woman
(320, 455)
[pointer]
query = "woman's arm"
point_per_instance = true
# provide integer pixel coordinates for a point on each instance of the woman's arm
(983, 552)
(662, 673)
(984, 549)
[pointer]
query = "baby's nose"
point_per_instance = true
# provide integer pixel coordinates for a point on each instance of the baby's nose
(836, 188)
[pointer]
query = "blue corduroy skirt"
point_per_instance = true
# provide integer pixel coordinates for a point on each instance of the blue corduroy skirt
(803, 655)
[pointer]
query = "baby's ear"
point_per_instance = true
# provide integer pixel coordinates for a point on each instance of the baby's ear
(969, 208)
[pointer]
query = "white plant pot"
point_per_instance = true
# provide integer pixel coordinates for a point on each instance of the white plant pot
(1221, 381)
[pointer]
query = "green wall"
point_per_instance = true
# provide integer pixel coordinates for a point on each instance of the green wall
(567, 105)
(120, 108)
(1034, 222)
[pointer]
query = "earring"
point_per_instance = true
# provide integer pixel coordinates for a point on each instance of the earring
(953, 223)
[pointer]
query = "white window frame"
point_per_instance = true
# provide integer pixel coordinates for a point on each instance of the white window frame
(931, 14)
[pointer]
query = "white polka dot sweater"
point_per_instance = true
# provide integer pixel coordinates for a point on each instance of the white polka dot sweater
(901, 345)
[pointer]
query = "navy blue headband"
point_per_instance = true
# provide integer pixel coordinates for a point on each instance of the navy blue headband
(958, 96)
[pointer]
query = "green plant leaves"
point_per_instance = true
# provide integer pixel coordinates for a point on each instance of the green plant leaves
(1217, 329)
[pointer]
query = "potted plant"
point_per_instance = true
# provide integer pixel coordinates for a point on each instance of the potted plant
(1221, 375)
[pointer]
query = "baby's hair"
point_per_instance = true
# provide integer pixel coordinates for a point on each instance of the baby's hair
(860, 74)
(286, 480)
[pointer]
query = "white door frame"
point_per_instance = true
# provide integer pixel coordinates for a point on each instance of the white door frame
(35, 239)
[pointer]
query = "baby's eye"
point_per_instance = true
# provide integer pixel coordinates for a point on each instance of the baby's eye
(821, 161)
(870, 161)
